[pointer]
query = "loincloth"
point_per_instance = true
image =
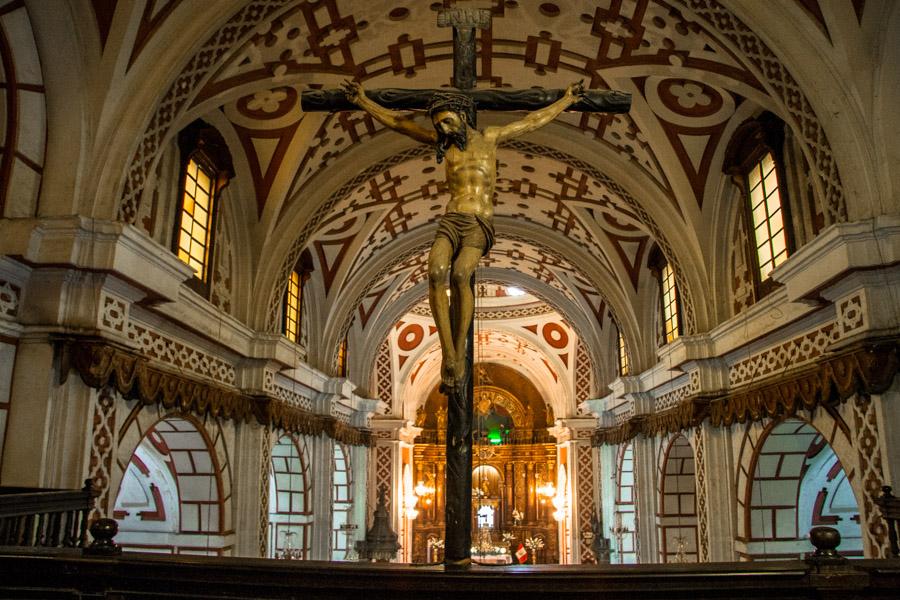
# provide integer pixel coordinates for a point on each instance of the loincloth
(463, 229)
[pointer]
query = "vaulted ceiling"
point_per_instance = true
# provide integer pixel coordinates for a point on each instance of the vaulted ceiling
(579, 204)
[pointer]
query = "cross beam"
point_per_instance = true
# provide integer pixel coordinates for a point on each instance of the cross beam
(605, 101)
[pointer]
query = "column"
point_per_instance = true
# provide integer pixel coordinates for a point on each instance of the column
(386, 469)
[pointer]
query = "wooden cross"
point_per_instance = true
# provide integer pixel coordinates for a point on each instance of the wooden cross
(464, 21)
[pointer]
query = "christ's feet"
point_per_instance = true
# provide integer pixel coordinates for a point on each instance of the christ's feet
(448, 374)
(453, 374)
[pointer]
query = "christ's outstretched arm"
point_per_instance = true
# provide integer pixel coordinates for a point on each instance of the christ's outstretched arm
(536, 119)
(396, 120)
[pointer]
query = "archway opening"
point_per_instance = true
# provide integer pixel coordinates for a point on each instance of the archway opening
(797, 483)
(624, 527)
(170, 498)
(342, 503)
(290, 501)
(677, 517)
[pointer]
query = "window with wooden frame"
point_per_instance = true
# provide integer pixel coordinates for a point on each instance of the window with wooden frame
(755, 160)
(622, 354)
(293, 297)
(341, 366)
(669, 302)
(206, 169)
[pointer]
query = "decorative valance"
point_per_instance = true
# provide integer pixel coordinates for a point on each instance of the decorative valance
(867, 368)
(101, 363)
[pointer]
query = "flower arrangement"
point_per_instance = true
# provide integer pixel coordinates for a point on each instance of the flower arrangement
(508, 537)
(534, 544)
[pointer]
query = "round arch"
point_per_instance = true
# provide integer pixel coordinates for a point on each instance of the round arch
(791, 477)
(171, 496)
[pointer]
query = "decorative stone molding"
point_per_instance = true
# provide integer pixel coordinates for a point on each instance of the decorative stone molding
(865, 368)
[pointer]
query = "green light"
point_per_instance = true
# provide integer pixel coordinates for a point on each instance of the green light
(494, 438)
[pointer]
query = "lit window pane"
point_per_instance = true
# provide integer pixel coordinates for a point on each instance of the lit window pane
(778, 243)
(754, 178)
(194, 235)
(773, 205)
(769, 233)
(771, 182)
(669, 303)
(203, 181)
(292, 308)
(623, 355)
(767, 163)
(764, 252)
(202, 199)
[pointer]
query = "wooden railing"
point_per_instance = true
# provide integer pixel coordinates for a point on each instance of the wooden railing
(45, 517)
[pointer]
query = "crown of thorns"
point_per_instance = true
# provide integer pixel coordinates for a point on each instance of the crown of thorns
(453, 102)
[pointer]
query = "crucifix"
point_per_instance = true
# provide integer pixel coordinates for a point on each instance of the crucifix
(466, 231)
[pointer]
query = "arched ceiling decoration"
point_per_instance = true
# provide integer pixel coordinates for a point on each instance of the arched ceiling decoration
(578, 205)
(531, 338)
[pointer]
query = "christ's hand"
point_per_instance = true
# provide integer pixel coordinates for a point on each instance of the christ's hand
(353, 90)
(576, 90)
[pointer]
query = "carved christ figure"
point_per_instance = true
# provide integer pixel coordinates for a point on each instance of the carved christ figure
(466, 231)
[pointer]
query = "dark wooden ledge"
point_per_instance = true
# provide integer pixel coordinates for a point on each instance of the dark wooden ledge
(42, 574)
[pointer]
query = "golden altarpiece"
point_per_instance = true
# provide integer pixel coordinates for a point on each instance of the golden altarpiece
(514, 470)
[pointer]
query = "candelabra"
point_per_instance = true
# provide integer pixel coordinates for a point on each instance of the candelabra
(680, 554)
(289, 552)
(619, 531)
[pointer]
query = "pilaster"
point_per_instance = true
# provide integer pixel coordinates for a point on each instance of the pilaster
(646, 497)
(716, 495)
(251, 464)
(574, 451)
(322, 471)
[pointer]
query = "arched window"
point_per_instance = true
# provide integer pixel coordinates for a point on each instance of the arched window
(342, 502)
(293, 297)
(669, 302)
(172, 496)
(795, 482)
(290, 501)
(676, 520)
(206, 168)
(621, 353)
(754, 159)
(341, 366)
(624, 515)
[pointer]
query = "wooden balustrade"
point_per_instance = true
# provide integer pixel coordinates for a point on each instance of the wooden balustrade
(45, 517)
